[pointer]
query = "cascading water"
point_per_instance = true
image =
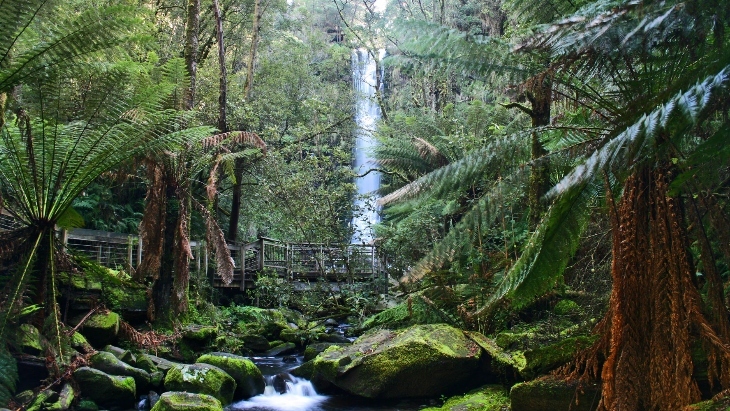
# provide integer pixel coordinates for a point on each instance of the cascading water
(298, 395)
(367, 113)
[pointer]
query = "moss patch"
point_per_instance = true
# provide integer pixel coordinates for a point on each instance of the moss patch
(201, 379)
(106, 390)
(249, 380)
(419, 361)
(566, 307)
(487, 398)
(543, 359)
(551, 394)
(183, 401)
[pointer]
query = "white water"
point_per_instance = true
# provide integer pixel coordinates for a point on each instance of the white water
(367, 113)
(299, 396)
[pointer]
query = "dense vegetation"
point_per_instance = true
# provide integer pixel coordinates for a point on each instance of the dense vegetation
(550, 170)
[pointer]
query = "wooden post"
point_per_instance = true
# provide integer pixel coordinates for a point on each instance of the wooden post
(139, 251)
(242, 260)
(98, 253)
(205, 260)
(64, 239)
(130, 255)
(197, 257)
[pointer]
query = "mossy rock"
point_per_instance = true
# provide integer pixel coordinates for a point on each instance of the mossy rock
(44, 400)
(86, 405)
(495, 361)
(101, 329)
(143, 362)
(80, 343)
(160, 363)
(289, 335)
(487, 398)
(107, 362)
(281, 349)
(255, 342)
(423, 360)
(200, 333)
(265, 322)
(30, 340)
(183, 401)
(112, 391)
(566, 307)
(249, 380)
(721, 404)
(508, 339)
(544, 359)
(554, 394)
(201, 379)
(313, 350)
(123, 355)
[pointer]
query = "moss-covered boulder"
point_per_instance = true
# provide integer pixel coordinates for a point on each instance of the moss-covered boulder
(487, 398)
(101, 329)
(123, 355)
(281, 349)
(107, 362)
(554, 394)
(255, 342)
(313, 350)
(265, 322)
(249, 380)
(201, 379)
(423, 360)
(543, 359)
(145, 363)
(159, 362)
(30, 340)
(183, 401)
(44, 400)
(80, 343)
(109, 391)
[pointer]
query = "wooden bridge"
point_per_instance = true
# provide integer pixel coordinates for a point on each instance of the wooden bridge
(302, 263)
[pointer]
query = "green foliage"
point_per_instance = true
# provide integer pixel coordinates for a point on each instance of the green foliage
(8, 376)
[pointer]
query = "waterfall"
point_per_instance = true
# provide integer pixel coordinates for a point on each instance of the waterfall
(367, 113)
(289, 393)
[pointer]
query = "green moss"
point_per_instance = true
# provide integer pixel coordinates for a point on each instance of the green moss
(109, 320)
(183, 401)
(551, 394)
(418, 361)
(249, 380)
(200, 332)
(543, 359)
(566, 307)
(202, 379)
(721, 404)
(487, 398)
(105, 389)
(87, 405)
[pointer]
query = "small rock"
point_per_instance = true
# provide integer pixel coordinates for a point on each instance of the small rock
(289, 359)
(292, 326)
(122, 354)
(66, 396)
(331, 322)
(101, 329)
(279, 382)
(281, 349)
(152, 398)
(313, 350)
(255, 342)
(115, 392)
(107, 362)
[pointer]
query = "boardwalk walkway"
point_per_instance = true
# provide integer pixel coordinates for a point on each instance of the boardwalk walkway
(298, 262)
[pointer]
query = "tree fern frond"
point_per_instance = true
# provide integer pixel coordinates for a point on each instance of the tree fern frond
(472, 224)
(473, 55)
(8, 376)
(632, 144)
(462, 174)
(235, 137)
(91, 31)
(548, 250)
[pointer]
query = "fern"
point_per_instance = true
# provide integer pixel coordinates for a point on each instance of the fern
(8, 376)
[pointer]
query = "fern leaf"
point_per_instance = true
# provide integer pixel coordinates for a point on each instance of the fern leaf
(548, 250)
(8, 376)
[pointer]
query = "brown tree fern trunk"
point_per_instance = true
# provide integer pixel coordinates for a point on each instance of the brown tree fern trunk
(655, 312)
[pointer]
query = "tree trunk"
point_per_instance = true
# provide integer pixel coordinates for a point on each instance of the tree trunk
(540, 97)
(236, 200)
(192, 27)
(223, 76)
(248, 87)
(655, 313)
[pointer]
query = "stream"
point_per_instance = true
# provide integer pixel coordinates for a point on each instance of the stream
(300, 395)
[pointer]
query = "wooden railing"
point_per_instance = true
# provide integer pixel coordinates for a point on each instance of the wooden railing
(300, 262)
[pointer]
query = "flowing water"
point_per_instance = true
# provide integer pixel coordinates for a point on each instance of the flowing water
(284, 392)
(367, 113)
